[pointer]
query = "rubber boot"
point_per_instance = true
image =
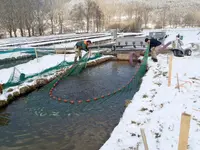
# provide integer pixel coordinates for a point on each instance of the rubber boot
(75, 59)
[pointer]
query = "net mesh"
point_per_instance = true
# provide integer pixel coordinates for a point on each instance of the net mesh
(17, 77)
(134, 83)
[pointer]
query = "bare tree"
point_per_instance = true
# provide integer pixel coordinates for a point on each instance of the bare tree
(146, 13)
(51, 12)
(60, 6)
(109, 10)
(138, 17)
(77, 16)
(189, 19)
(7, 16)
(88, 12)
(129, 10)
(99, 18)
(170, 18)
(29, 16)
(176, 20)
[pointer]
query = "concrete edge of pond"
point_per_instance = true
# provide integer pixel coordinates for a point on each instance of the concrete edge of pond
(13, 95)
(11, 59)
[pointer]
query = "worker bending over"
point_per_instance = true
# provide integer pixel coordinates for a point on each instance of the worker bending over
(81, 45)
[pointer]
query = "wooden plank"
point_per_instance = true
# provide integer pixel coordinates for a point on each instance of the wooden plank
(184, 131)
(170, 71)
(144, 139)
(178, 82)
(123, 56)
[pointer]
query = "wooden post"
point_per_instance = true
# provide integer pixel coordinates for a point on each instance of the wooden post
(65, 52)
(170, 71)
(184, 131)
(178, 82)
(55, 49)
(36, 54)
(144, 139)
(98, 45)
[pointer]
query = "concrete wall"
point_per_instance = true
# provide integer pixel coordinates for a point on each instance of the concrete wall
(123, 56)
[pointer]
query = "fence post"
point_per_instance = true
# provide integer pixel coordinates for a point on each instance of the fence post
(55, 49)
(178, 83)
(184, 131)
(170, 71)
(65, 52)
(144, 139)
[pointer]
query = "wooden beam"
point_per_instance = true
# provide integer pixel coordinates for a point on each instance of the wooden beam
(144, 139)
(184, 131)
(170, 71)
(178, 83)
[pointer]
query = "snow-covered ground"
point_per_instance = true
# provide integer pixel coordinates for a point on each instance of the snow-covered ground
(32, 67)
(36, 66)
(157, 108)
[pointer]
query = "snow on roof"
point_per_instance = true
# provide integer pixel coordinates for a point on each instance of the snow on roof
(72, 44)
(28, 41)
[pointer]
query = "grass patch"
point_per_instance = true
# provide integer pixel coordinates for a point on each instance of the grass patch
(145, 96)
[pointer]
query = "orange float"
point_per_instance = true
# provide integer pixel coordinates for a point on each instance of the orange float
(88, 100)
(72, 102)
(80, 101)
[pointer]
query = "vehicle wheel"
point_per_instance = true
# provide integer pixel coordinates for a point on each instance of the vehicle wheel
(113, 48)
(178, 53)
(188, 52)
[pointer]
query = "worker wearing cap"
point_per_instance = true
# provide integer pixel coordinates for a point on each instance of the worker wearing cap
(81, 45)
(154, 46)
(178, 43)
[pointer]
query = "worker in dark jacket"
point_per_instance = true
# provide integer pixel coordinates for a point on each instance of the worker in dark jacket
(154, 46)
(81, 45)
(152, 43)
